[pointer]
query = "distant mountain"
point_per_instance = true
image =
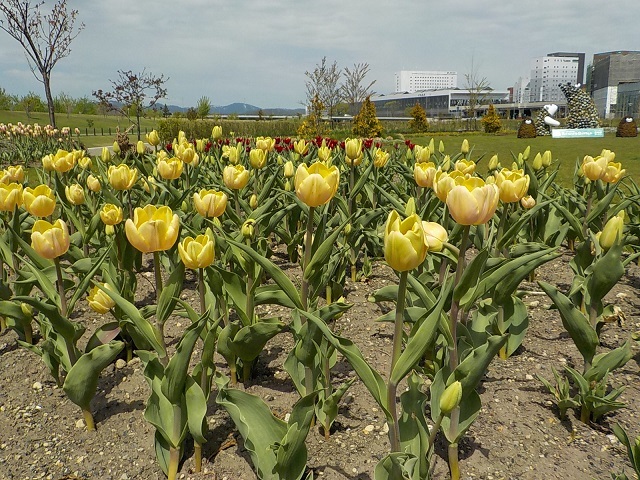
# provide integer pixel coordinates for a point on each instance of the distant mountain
(240, 109)
(235, 108)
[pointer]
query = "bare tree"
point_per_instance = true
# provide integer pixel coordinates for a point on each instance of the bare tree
(323, 83)
(132, 94)
(44, 38)
(479, 90)
(352, 89)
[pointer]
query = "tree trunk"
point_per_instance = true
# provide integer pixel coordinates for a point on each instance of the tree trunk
(47, 91)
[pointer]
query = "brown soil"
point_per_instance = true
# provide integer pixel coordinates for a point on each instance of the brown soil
(518, 434)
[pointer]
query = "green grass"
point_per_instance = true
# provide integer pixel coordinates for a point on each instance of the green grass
(565, 150)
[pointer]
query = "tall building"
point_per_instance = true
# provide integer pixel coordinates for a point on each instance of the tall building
(413, 81)
(610, 69)
(521, 90)
(548, 72)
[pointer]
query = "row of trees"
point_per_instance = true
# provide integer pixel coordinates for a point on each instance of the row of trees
(62, 104)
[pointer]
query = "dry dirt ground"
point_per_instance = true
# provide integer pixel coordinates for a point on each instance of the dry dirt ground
(518, 434)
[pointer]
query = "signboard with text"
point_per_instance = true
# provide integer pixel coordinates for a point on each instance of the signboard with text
(577, 132)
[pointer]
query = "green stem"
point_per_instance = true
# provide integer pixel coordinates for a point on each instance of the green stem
(3, 324)
(174, 461)
(434, 432)
(197, 453)
(60, 284)
(159, 326)
(503, 221)
(237, 203)
(250, 300)
(394, 429)
(503, 350)
(454, 468)
(201, 290)
(308, 243)
(587, 211)
(585, 414)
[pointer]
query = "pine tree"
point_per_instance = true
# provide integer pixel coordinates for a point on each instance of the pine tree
(491, 121)
(419, 122)
(366, 123)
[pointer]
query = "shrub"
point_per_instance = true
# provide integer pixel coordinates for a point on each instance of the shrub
(491, 121)
(419, 122)
(366, 123)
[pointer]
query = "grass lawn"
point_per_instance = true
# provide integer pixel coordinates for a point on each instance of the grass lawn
(566, 150)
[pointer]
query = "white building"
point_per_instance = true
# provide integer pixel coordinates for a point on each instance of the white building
(521, 90)
(413, 81)
(548, 72)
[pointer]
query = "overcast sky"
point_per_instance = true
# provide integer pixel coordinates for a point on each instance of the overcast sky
(257, 51)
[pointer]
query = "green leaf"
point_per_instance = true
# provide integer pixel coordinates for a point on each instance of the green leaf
(322, 254)
(85, 280)
(470, 275)
(608, 362)
(510, 282)
(69, 330)
(414, 431)
(82, 380)
(273, 271)
(515, 227)
(575, 322)
(161, 447)
(398, 466)
(175, 374)
(607, 271)
(603, 204)
(250, 340)
(47, 287)
(474, 366)
(196, 402)
(369, 376)
(170, 293)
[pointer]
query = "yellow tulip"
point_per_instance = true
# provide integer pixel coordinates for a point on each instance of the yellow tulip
(513, 185)
(235, 177)
(594, 168)
(185, 152)
(464, 149)
(116, 148)
(140, 148)
(63, 161)
(253, 201)
(153, 138)
(441, 147)
(200, 143)
(152, 229)
(197, 252)
(47, 163)
(122, 177)
(216, 132)
(528, 202)
(546, 158)
(100, 301)
(85, 163)
(472, 202)
(324, 153)
(317, 184)
(424, 173)
(289, 169)
(353, 151)
(451, 397)
(74, 194)
(537, 162)
(421, 154)
(210, 203)
(105, 155)
(435, 236)
(612, 231)
(13, 173)
(443, 182)
(111, 214)
(446, 163)
(258, 158)
(170, 168)
(494, 163)
(39, 201)
(234, 154)
(466, 166)
(50, 240)
(265, 143)
(93, 184)
(404, 244)
(10, 196)
(526, 153)
(380, 158)
(301, 147)
(613, 172)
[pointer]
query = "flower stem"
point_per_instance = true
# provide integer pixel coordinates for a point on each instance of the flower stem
(585, 224)
(88, 419)
(60, 284)
(454, 468)
(394, 429)
(197, 453)
(201, 290)
(308, 243)
(159, 326)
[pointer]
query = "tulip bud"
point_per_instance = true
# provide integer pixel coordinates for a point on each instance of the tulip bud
(441, 147)
(248, 229)
(446, 163)
(451, 398)
(527, 152)
(109, 230)
(27, 310)
(216, 132)
(347, 228)
(464, 148)
(612, 231)
(253, 201)
(432, 145)
(546, 158)
(493, 163)
(116, 148)
(289, 170)
(410, 208)
(537, 162)
(140, 148)
(153, 138)
(287, 186)
(528, 202)
(106, 154)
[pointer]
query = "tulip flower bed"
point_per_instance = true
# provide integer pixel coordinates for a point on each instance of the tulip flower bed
(274, 308)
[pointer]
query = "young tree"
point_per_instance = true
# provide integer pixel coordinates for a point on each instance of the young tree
(45, 38)
(352, 89)
(133, 93)
(366, 123)
(478, 91)
(418, 122)
(323, 83)
(203, 107)
(491, 121)
(64, 104)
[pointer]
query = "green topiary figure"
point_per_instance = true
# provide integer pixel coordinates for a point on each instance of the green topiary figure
(366, 123)
(491, 121)
(419, 122)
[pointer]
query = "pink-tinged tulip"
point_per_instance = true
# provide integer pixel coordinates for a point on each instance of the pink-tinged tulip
(50, 240)
(472, 202)
(404, 244)
(153, 229)
(435, 236)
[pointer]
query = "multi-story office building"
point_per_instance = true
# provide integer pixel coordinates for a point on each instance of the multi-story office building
(521, 90)
(548, 72)
(610, 70)
(413, 81)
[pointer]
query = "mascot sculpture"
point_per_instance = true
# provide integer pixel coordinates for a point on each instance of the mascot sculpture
(544, 120)
(627, 128)
(582, 112)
